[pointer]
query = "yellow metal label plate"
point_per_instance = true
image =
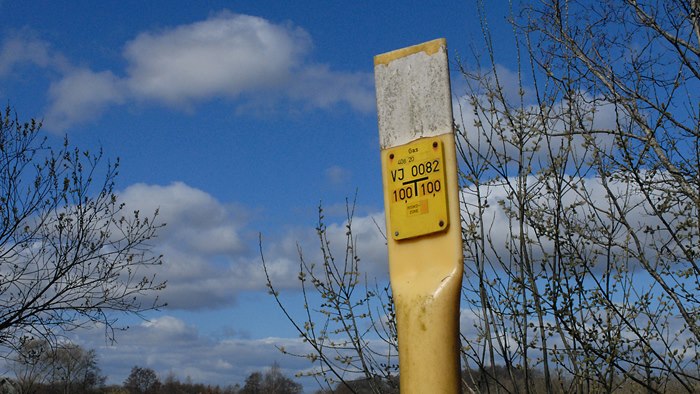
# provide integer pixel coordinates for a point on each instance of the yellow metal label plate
(417, 191)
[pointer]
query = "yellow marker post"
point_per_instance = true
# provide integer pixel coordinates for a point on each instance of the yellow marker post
(421, 199)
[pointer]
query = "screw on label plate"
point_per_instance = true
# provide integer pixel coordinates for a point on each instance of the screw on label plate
(396, 233)
(442, 223)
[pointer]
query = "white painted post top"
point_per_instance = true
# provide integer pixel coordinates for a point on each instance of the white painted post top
(413, 93)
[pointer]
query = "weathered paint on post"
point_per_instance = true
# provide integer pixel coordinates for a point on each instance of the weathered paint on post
(414, 103)
(413, 93)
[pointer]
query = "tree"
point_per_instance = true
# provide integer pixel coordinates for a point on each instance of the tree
(271, 382)
(595, 282)
(7, 387)
(275, 382)
(76, 369)
(142, 381)
(70, 253)
(581, 202)
(66, 368)
(253, 384)
(352, 332)
(171, 385)
(29, 366)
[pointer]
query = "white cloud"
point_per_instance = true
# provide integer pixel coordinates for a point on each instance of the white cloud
(369, 244)
(203, 243)
(82, 95)
(337, 175)
(168, 344)
(23, 48)
(494, 132)
(321, 87)
(225, 55)
(168, 328)
(246, 59)
(587, 206)
(210, 254)
(185, 351)
(195, 220)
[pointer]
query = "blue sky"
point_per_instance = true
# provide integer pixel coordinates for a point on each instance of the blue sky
(233, 118)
